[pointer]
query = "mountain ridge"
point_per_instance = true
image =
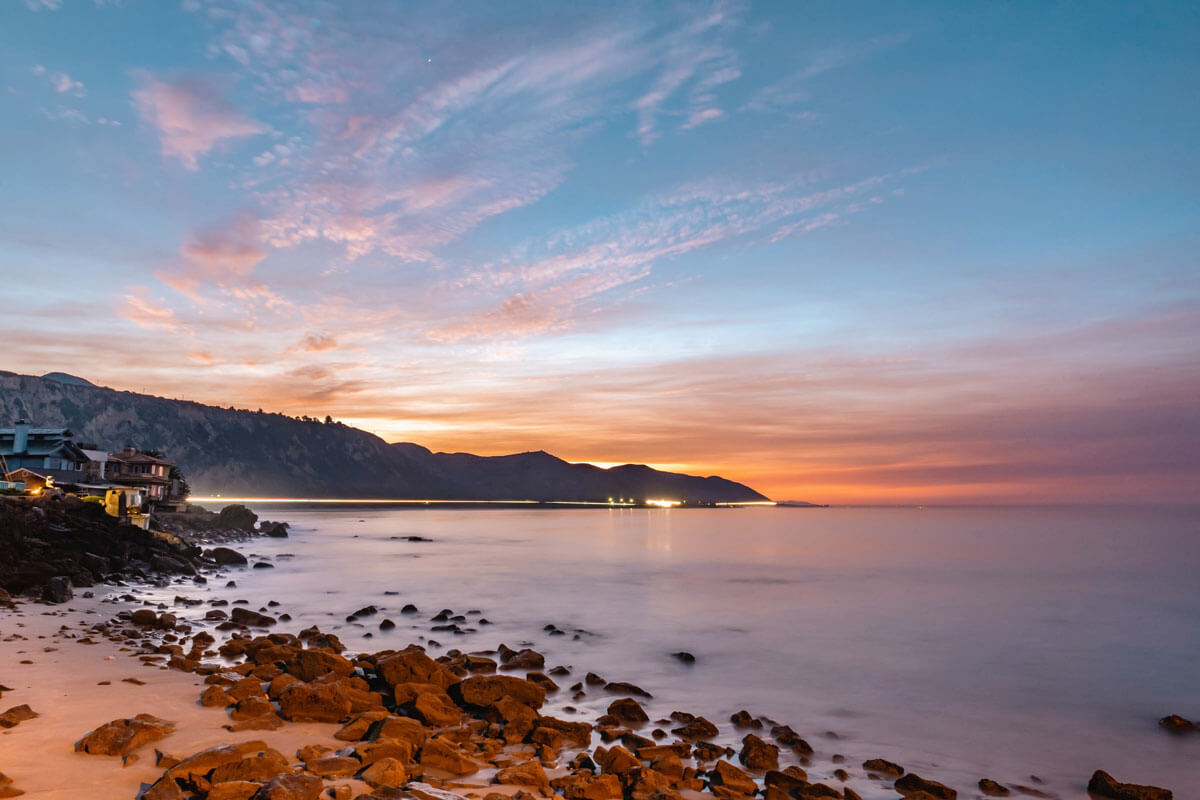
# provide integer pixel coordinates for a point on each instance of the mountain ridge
(230, 451)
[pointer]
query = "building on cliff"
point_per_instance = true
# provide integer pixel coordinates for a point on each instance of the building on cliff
(50, 452)
(149, 473)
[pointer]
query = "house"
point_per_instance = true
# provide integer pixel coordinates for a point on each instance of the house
(51, 452)
(28, 481)
(97, 463)
(150, 474)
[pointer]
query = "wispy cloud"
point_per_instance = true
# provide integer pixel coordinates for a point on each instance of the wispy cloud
(793, 89)
(191, 116)
(557, 276)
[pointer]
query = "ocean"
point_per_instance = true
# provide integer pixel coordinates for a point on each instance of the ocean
(1027, 645)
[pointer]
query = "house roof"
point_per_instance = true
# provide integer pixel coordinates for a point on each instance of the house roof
(96, 455)
(139, 458)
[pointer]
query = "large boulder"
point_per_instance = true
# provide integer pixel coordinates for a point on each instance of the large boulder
(437, 754)
(1104, 785)
(292, 787)
(311, 664)
(315, 702)
(385, 772)
(244, 616)
(122, 736)
(529, 773)
(237, 517)
(912, 784)
(16, 715)
(587, 787)
(757, 754)
(729, 776)
(412, 665)
(58, 590)
(629, 711)
(484, 690)
(227, 556)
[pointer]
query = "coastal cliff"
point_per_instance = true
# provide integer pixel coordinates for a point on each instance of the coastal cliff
(252, 453)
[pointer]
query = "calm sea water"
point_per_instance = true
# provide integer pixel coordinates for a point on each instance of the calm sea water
(962, 643)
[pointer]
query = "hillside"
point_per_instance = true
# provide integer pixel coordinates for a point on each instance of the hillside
(247, 453)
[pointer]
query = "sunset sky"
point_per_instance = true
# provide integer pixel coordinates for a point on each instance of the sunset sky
(889, 253)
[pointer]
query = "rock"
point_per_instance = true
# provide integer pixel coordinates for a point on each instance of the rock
(237, 517)
(16, 715)
(412, 665)
(1104, 785)
(312, 664)
(334, 765)
(292, 787)
(144, 617)
(616, 760)
(260, 766)
(1176, 724)
(438, 755)
(530, 773)
(313, 702)
(726, 774)
(387, 625)
(792, 778)
(519, 719)
(743, 719)
(757, 754)
(370, 752)
(993, 789)
(244, 616)
(912, 783)
(58, 590)
(385, 772)
(821, 791)
(233, 790)
(698, 728)
(685, 657)
(484, 690)
(628, 710)
(251, 707)
(524, 659)
(437, 709)
(122, 736)
(227, 556)
(6, 600)
(587, 787)
(646, 784)
(881, 766)
(277, 530)
(624, 687)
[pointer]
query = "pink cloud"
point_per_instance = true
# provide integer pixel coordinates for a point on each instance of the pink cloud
(137, 307)
(191, 117)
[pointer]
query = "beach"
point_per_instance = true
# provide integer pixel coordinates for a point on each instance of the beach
(417, 558)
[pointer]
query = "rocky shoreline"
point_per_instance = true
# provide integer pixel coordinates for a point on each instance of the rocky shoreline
(483, 725)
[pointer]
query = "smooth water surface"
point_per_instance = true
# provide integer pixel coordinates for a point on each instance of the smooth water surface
(962, 643)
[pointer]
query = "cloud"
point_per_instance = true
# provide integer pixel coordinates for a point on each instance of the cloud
(702, 116)
(63, 83)
(221, 258)
(319, 342)
(191, 117)
(137, 307)
(43, 5)
(794, 88)
(403, 156)
(565, 274)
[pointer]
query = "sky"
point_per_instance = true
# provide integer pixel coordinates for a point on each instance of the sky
(886, 252)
